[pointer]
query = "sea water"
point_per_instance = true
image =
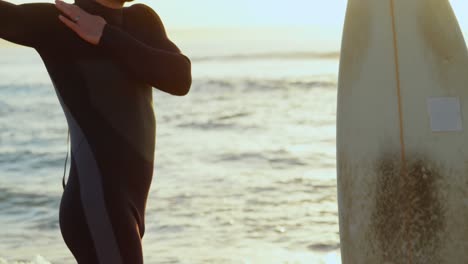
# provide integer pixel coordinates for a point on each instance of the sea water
(245, 164)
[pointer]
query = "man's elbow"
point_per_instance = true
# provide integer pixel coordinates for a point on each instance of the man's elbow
(183, 86)
(184, 81)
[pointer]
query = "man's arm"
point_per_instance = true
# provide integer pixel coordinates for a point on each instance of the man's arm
(15, 23)
(161, 65)
(154, 60)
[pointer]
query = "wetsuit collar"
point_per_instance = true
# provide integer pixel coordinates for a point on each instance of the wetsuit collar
(111, 15)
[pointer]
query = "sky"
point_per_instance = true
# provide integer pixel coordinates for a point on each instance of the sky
(264, 13)
(239, 13)
(234, 13)
(320, 21)
(184, 14)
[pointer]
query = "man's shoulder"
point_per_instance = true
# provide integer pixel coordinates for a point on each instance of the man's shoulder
(43, 21)
(40, 8)
(40, 13)
(145, 13)
(140, 8)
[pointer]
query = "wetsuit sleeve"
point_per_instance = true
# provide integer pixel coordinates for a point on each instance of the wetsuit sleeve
(159, 63)
(21, 24)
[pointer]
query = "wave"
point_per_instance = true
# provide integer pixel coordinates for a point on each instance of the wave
(275, 159)
(270, 56)
(261, 84)
(37, 260)
(25, 88)
(12, 200)
(18, 160)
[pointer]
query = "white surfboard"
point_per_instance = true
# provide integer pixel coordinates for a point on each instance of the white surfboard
(402, 134)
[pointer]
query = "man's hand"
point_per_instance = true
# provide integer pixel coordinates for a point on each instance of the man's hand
(87, 26)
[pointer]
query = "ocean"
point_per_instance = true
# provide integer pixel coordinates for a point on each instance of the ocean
(245, 168)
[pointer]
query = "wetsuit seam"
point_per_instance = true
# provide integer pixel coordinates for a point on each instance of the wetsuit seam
(79, 145)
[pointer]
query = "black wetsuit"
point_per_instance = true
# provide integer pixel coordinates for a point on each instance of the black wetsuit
(106, 93)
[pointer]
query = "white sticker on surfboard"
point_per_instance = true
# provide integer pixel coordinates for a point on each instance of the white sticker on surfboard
(445, 114)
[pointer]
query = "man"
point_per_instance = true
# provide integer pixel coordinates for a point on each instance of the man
(103, 60)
